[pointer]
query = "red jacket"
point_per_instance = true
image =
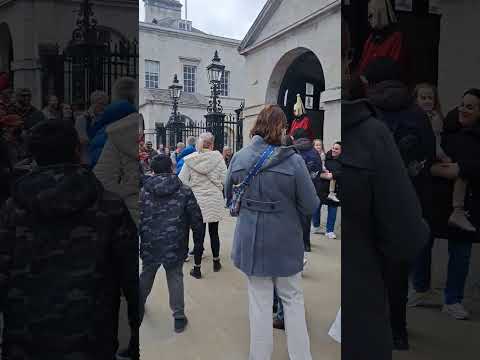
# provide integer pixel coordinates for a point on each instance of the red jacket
(393, 47)
(303, 123)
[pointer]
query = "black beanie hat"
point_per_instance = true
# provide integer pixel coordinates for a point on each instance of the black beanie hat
(382, 69)
(161, 164)
(53, 142)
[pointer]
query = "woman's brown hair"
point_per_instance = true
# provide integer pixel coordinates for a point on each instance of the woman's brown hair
(270, 124)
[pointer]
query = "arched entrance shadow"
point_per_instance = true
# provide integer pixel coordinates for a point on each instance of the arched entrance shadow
(299, 71)
(6, 50)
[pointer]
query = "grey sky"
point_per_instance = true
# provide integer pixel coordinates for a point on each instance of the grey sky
(229, 18)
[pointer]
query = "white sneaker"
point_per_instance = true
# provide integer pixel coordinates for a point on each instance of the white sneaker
(305, 261)
(333, 197)
(331, 235)
(457, 311)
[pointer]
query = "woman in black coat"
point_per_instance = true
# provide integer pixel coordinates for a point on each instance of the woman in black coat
(324, 190)
(461, 142)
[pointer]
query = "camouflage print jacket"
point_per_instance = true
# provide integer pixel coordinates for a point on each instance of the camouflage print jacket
(168, 209)
(67, 250)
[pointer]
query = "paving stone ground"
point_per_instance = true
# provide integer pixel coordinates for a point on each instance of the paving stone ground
(218, 312)
(217, 307)
(433, 334)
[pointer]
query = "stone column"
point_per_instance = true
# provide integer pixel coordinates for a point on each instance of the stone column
(250, 114)
(332, 126)
(148, 112)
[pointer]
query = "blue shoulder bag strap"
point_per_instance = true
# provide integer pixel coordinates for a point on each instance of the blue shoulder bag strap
(256, 169)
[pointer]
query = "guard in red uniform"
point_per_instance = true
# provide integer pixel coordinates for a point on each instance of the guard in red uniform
(301, 120)
(385, 40)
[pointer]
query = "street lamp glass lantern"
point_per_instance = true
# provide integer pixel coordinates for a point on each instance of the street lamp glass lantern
(215, 69)
(175, 89)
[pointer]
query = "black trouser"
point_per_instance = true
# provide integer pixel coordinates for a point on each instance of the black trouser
(306, 223)
(396, 278)
(214, 238)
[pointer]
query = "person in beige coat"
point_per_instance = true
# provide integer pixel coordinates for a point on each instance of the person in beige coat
(117, 167)
(205, 171)
(117, 170)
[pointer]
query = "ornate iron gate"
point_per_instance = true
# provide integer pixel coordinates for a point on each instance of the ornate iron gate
(97, 69)
(231, 131)
(91, 61)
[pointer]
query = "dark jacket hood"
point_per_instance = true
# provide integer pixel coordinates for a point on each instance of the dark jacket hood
(355, 112)
(303, 144)
(390, 96)
(57, 191)
(162, 185)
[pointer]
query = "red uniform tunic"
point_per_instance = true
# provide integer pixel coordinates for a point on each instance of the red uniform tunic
(303, 123)
(392, 46)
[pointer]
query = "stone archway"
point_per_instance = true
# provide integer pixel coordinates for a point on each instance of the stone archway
(299, 71)
(6, 50)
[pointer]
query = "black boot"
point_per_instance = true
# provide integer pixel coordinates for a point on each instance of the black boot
(400, 342)
(180, 325)
(196, 272)
(216, 265)
(278, 324)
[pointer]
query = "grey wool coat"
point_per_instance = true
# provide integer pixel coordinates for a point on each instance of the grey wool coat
(268, 238)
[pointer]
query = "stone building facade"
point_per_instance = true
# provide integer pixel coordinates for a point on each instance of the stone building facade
(293, 48)
(171, 45)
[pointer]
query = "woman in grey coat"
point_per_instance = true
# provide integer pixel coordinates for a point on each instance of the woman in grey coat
(268, 244)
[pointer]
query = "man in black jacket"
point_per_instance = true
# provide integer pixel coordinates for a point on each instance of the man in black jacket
(381, 221)
(168, 209)
(67, 250)
(413, 134)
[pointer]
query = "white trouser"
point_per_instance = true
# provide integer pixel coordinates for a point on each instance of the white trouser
(260, 293)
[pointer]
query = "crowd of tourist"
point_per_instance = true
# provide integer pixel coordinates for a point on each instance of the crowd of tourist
(84, 196)
(70, 182)
(434, 197)
(284, 178)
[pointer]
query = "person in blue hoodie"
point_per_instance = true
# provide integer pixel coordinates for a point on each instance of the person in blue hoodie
(190, 149)
(97, 134)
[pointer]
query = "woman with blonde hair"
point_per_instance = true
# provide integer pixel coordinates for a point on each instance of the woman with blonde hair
(277, 192)
(204, 172)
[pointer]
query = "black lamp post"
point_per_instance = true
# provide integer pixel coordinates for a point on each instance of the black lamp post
(175, 93)
(215, 117)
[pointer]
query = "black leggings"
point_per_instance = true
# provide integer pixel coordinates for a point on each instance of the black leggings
(214, 238)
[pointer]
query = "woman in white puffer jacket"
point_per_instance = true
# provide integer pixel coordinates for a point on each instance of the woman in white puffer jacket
(204, 172)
